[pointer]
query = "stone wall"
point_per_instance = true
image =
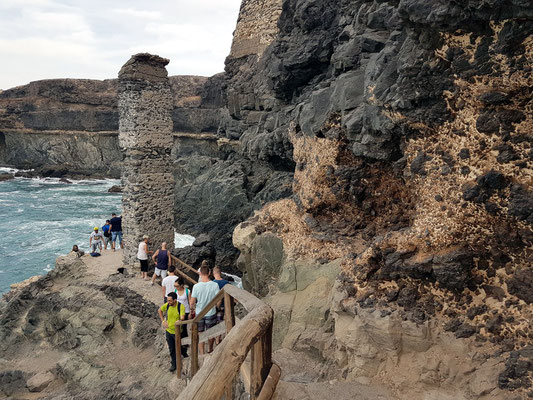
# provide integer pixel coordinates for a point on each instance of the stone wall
(145, 138)
(256, 27)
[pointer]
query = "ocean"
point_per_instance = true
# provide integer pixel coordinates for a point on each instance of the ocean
(41, 219)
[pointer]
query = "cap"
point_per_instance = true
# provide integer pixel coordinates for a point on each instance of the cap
(95, 228)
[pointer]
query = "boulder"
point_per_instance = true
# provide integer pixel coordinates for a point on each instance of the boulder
(40, 381)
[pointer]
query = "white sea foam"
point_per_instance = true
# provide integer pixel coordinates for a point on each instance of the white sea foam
(182, 240)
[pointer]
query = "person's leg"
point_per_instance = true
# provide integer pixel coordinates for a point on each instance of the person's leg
(157, 272)
(120, 239)
(93, 247)
(113, 240)
(164, 274)
(201, 328)
(171, 341)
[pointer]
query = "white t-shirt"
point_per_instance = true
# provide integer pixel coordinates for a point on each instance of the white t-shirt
(97, 236)
(141, 254)
(168, 283)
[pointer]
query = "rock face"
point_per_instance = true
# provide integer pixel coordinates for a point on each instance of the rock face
(406, 128)
(58, 331)
(145, 138)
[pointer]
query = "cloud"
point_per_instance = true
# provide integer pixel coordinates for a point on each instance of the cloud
(41, 39)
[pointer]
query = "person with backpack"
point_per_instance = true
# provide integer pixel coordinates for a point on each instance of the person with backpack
(169, 313)
(107, 233)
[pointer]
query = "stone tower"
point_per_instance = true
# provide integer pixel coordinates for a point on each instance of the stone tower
(145, 137)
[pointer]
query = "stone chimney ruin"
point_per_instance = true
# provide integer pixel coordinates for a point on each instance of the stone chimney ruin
(145, 138)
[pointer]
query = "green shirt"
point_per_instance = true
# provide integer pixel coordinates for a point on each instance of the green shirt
(173, 315)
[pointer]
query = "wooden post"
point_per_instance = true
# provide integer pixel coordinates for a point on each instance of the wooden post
(228, 393)
(194, 349)
(229, 311)
(261, 362)
(177, 335)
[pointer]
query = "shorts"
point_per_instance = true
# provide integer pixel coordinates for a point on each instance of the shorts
(144, 265)
(114, 236)
(207, 322)
(107, 239)
(161, 272)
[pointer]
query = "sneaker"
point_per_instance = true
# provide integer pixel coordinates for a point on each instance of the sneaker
(151, 283)
(171, 369)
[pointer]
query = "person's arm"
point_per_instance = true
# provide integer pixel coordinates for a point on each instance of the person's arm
(163, 288)
(162, 318)
(155, 255)
(193, 303)
(169, 258)
(90, 240)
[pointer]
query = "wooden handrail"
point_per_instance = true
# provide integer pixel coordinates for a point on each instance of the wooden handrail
(251, 334)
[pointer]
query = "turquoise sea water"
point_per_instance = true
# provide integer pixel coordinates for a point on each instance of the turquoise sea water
(41, 219)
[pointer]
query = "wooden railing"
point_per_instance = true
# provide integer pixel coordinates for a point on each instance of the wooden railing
(181, 265)
(251, 334)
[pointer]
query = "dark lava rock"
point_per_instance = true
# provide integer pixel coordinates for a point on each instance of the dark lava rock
(494, 325)
(471, 191)
(506, 154)
(495, 292)
(464, 154)
(417, 166)
(452, 269)
(64, 180)
(476, 310)
(194, 255)
(493, 180)
(115, 189)
(521, 203)
(6, 177)
(518, 370)
(202, 240)
(494, 98)
(453, 325)
(464, 331)
(488, 123)
(408, 296)
(11, 382)
(521, 284)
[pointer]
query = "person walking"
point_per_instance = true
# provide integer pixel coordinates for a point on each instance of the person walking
(221, 282)
(167, 284)
(95, 240)
(107, 233)
(184, 297)
(163, 262)
(142, 256)
(202, 293)
(174, 312)
(116, 231)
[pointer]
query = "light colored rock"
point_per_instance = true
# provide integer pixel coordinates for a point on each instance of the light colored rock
(40, 381)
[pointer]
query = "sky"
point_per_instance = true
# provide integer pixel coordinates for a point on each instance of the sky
(44, 39)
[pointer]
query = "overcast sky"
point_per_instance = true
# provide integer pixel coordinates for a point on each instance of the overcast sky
(41, 39)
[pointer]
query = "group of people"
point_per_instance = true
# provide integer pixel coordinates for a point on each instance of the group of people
(109, 234)
(182, 303)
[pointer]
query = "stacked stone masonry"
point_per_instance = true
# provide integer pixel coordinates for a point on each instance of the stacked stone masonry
(256, 27)
(146, 140)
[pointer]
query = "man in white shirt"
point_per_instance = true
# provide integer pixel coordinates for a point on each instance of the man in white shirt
(167, 284)
(95, 240)
(202, 293)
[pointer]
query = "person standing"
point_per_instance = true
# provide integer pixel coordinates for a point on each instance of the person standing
(95, 240)
(184, 297)
(116, 231)
(202, 293)
(107, 233)
(142, 256)
(221, 282)
(174, 312)
(167, 284)
(163, 262)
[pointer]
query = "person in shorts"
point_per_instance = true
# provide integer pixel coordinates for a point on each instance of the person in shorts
(202, 293)
(95, 240)
(162, 261)
(116, 231)
(142, 256)
(107, 233)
